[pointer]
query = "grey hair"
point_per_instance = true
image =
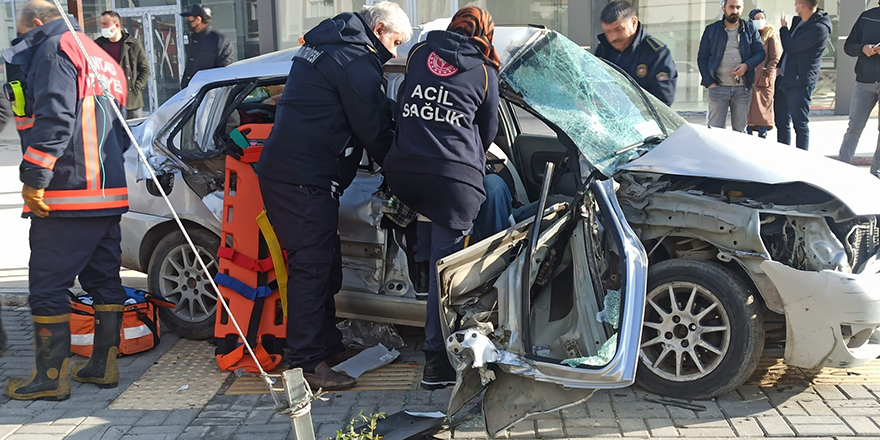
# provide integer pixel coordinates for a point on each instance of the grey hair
(39, 10)
(391, 14)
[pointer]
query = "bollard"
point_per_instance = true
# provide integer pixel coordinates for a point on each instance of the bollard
(299, 399)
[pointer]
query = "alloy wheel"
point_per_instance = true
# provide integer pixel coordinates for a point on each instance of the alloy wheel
(183, 283)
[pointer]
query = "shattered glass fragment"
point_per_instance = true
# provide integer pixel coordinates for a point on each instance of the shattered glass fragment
(606, 353)
(611, 312)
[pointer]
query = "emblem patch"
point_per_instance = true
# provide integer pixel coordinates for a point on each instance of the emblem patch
(662, 76)
(439, 67)
(641, 70)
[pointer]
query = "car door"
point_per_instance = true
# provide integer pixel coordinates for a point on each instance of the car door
(541, 322)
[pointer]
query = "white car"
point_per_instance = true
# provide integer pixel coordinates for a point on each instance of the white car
(733, 225)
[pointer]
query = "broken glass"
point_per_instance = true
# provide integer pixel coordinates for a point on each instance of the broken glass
(594, 105)
(606, 353)
(611, 312)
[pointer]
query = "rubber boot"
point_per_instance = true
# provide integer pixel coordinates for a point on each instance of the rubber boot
(50, 379)
(101, 368)
(438, 371)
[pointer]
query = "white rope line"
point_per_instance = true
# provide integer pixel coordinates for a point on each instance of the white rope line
(143, 157)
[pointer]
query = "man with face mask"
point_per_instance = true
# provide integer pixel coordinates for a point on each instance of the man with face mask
(205, 48)
(334, 97)
(129, 53)
(645, 58)
(730, 49)
(802, 46)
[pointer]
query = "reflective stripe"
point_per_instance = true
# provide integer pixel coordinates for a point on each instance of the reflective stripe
(23, 123)
(90, 143)
(136, 332)
(39, 158)
(84, 199)
(87, 339)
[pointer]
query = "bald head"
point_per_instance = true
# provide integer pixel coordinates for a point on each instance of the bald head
(35, 14)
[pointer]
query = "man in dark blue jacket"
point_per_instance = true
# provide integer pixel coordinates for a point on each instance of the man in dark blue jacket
(802, 48)
(863, 42)
(333, 97)
(730, 49)
(645, 58)
(74, 192)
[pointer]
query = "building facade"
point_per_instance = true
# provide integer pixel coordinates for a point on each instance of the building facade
(261, 26)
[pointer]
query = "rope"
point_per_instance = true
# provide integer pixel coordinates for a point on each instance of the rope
(143, 157)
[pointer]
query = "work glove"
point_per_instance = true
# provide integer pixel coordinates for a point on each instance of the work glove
(33, 198)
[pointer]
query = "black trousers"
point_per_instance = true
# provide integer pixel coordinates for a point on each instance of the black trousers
(305, 219)
(63, 249)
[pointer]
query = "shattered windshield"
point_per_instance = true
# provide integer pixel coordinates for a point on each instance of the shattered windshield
(602, 112)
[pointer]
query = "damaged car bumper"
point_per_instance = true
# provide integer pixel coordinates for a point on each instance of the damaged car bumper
(833, 318)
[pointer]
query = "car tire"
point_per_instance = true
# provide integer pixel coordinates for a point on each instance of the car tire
(175, 274)
(702, 360)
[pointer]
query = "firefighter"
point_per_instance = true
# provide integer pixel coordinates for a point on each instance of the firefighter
(74, 193)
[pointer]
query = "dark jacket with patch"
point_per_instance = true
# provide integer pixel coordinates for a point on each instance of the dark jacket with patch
(334, 97)
(133, 60)
(72, 142)
(206, 50)
(713, 42)
(866, 30)
(648, 61)
(802, 46)
(449, 111)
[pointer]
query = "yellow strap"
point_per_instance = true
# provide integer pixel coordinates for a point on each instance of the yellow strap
(486, 89)
(277, 257)
(17, 93)
(467, 240)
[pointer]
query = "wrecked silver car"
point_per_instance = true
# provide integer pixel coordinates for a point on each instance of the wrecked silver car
(733, 226)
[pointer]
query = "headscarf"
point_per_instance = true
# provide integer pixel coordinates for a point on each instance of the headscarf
(755, 12)
(477, 24)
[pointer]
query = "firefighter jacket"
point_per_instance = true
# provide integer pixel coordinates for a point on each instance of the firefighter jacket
(72, 142)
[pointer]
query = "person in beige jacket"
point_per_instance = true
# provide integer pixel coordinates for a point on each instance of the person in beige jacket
(761, 110)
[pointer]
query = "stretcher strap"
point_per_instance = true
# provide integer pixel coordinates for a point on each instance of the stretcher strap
(242, 260)
(243, 289)
(277, 257)
(226, 361)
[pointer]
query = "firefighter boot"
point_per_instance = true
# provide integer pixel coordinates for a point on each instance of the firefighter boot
(49, 380)
(101, 368)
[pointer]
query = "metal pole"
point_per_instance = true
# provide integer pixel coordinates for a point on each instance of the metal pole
(299, 399)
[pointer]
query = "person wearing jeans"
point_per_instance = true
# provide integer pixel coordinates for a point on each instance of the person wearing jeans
(863, 42)
(730, 50)
(802, 48)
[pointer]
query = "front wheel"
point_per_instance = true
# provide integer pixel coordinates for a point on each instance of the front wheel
(703, 331)
(175, 274)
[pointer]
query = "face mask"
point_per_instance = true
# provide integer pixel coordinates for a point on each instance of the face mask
(759, 24)
(107, 32)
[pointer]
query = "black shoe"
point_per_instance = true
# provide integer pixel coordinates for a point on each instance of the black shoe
(101, 368)
(438, 371)
(50, 379)
(326, 379)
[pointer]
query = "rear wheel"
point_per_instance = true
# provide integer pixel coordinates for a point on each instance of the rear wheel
(703, 331)
(175, 273)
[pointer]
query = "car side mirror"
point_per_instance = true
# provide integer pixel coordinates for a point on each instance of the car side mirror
(165, 180)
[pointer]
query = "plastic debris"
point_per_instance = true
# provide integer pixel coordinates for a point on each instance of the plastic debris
(358, 334)
(542, 350)
(183, 388)
(606, 353)
(611, 311)
(367, 360)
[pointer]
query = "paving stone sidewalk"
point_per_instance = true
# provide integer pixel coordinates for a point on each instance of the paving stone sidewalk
(820, 412)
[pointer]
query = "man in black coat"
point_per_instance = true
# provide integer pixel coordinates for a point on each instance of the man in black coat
(802, 47)
(206, 48)
(333, 98)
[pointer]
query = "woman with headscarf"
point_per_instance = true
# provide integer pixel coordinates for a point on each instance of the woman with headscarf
(448, 117)
(761, 110)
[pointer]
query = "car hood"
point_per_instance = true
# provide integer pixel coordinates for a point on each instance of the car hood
(699, 151)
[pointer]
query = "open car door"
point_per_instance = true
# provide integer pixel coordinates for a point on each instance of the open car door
(540, 321)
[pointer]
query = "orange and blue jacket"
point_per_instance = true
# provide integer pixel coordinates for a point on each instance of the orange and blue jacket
(72, 141)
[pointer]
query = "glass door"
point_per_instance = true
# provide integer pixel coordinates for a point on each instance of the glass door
(157, 28)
